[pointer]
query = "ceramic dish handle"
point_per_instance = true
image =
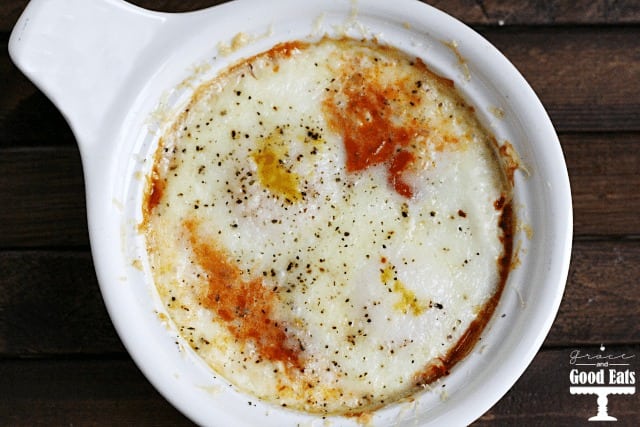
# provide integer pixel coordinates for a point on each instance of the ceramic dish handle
(79, 53)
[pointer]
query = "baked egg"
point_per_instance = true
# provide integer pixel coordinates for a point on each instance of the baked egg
(329, 225)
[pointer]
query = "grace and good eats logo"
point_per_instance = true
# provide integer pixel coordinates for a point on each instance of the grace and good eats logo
(602, 374)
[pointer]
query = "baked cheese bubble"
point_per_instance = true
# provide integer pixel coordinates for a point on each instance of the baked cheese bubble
(328, 225)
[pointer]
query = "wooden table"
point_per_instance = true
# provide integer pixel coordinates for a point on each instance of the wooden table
(61, 361)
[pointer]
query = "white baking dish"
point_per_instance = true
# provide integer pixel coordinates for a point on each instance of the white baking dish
(115, 70)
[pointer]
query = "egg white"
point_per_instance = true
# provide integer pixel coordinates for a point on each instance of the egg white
(375, 286)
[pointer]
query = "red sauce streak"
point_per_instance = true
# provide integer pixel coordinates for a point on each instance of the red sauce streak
(471, 336)
(399, 163)
(500, 203)
(246, 307)
(286, 49)
(155, 193)
(370, 135)
(510, 158)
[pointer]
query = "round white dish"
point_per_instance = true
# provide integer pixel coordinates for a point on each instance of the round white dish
(117, 72)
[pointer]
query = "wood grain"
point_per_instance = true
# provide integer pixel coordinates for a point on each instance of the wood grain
(81, 392)
(43, 198)
(587, 79)
(604, 171)
(50, 302)
(27, 117)
(601, 299)
(541, 396)
(473, 12)
(535, 12)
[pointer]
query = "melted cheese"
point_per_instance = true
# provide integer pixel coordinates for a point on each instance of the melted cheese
(327, 225)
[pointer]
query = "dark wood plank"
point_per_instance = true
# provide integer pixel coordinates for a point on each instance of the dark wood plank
(601, 298)
(587, 79)
(114, 392)
(50, 304)
(473, 12)
(50, 301)
(487, 12)
(604, 170)
(547, 12)
(541, 396)
(81, 392)
(27, 117)
(43, 201)
(43, 191)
